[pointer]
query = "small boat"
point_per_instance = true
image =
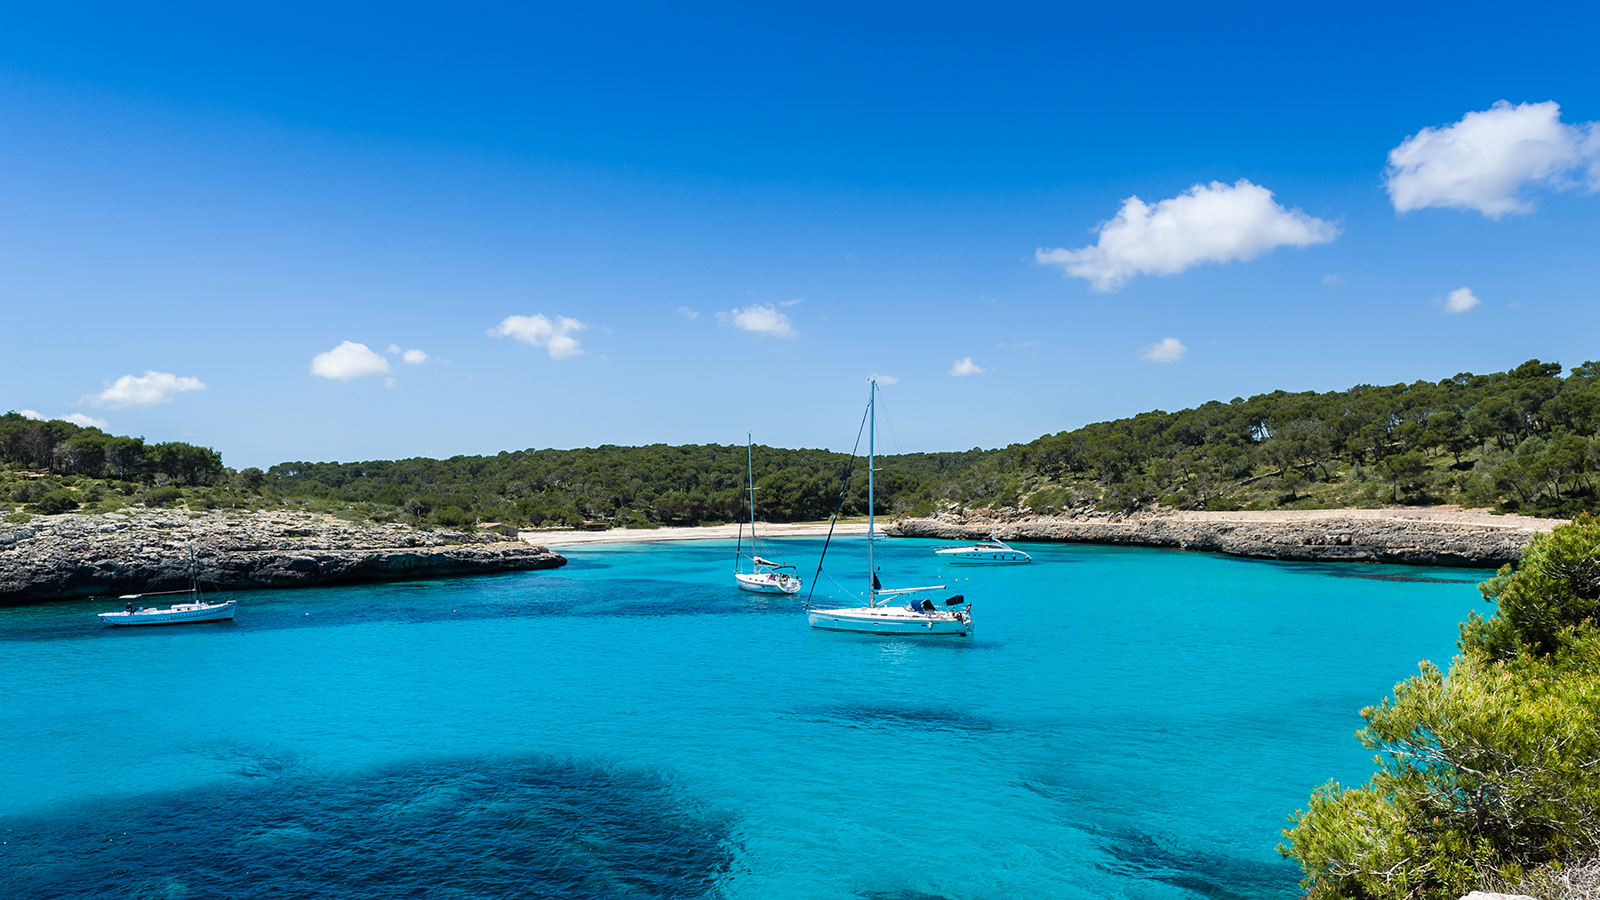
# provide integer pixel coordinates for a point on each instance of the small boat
(193, 609)
(990, 551)
(196, 610)
(765, 576)
(883, 613)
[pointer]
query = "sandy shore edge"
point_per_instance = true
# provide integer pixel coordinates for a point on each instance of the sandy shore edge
(1441, 515)
(698, 533)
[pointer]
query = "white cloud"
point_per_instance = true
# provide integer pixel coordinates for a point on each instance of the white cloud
(146, 390)
(688, 313)
(1485, 160)
(1333, 279)
(965, 366)
(414, 357)
(796, 301)
(760, 318)
(74, 418)
(1207, 223)
(553, 335)
(883, 379)
(1460, 300)
(348, 360)
(1166, 350)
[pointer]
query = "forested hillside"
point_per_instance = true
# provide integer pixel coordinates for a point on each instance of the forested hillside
(1523, 440)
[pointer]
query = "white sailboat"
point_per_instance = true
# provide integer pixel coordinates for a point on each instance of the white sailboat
(195, 609)
(765, 576)
(884, 614)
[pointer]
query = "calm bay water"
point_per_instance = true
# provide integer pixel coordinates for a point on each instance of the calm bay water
(1126, 723)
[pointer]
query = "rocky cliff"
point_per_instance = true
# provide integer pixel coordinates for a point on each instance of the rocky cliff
(56, 557)
(1443, 536)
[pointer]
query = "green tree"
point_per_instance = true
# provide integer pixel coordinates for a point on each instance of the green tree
(1487, 772)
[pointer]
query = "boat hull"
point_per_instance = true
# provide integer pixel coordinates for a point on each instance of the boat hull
(172, 615)
(768, 584)
(983, 557)
(891, 620)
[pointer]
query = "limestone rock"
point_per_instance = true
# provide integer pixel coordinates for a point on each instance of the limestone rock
(59, 557)
(1442, 536)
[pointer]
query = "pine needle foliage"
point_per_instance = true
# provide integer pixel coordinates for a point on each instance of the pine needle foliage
(1488, 774)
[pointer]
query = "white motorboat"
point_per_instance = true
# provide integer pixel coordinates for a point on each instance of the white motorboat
(884, 613)
(990, 551)
(765, 576)
(196, 610)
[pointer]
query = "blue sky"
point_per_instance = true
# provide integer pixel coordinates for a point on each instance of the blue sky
(609, 223)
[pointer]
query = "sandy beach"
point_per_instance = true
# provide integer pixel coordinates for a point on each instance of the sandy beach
(704, 532)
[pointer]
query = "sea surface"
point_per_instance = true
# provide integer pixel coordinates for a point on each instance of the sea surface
(1125, 723)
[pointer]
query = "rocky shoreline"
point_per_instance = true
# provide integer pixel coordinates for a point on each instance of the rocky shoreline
(73, 556)
(1436, 536)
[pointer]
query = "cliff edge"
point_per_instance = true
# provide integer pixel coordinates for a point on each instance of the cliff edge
(60, 557)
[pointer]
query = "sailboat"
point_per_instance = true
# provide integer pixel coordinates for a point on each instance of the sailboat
(195, 609)
(765, 576)
(884, 613)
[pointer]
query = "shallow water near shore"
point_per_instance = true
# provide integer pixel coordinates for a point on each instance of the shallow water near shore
(1125, 723)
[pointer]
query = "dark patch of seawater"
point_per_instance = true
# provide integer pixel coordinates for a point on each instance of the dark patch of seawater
(529, 827)
(1144, 853)
(1137, 853)
(900, 715)
(1378, 571)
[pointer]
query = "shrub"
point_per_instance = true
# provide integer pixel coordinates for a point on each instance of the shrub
(1486, 774)
(57, 501)
(163, 496)
(29, 491)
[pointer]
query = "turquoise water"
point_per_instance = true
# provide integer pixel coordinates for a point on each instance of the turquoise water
(1125, 723)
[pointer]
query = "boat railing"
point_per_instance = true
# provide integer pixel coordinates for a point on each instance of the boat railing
(889, 592)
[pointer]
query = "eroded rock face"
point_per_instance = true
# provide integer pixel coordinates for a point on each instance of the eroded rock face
(1448, 538)
(58, 557)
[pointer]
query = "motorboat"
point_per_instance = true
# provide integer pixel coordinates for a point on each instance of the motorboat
(765, 576)
(195, 610)
(989, 552)
(885, 613)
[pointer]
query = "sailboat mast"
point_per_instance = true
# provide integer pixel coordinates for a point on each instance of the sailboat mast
(872, 431)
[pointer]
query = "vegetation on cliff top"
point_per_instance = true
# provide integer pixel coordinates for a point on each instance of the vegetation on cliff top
(1527, 440)
(1489, 775)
